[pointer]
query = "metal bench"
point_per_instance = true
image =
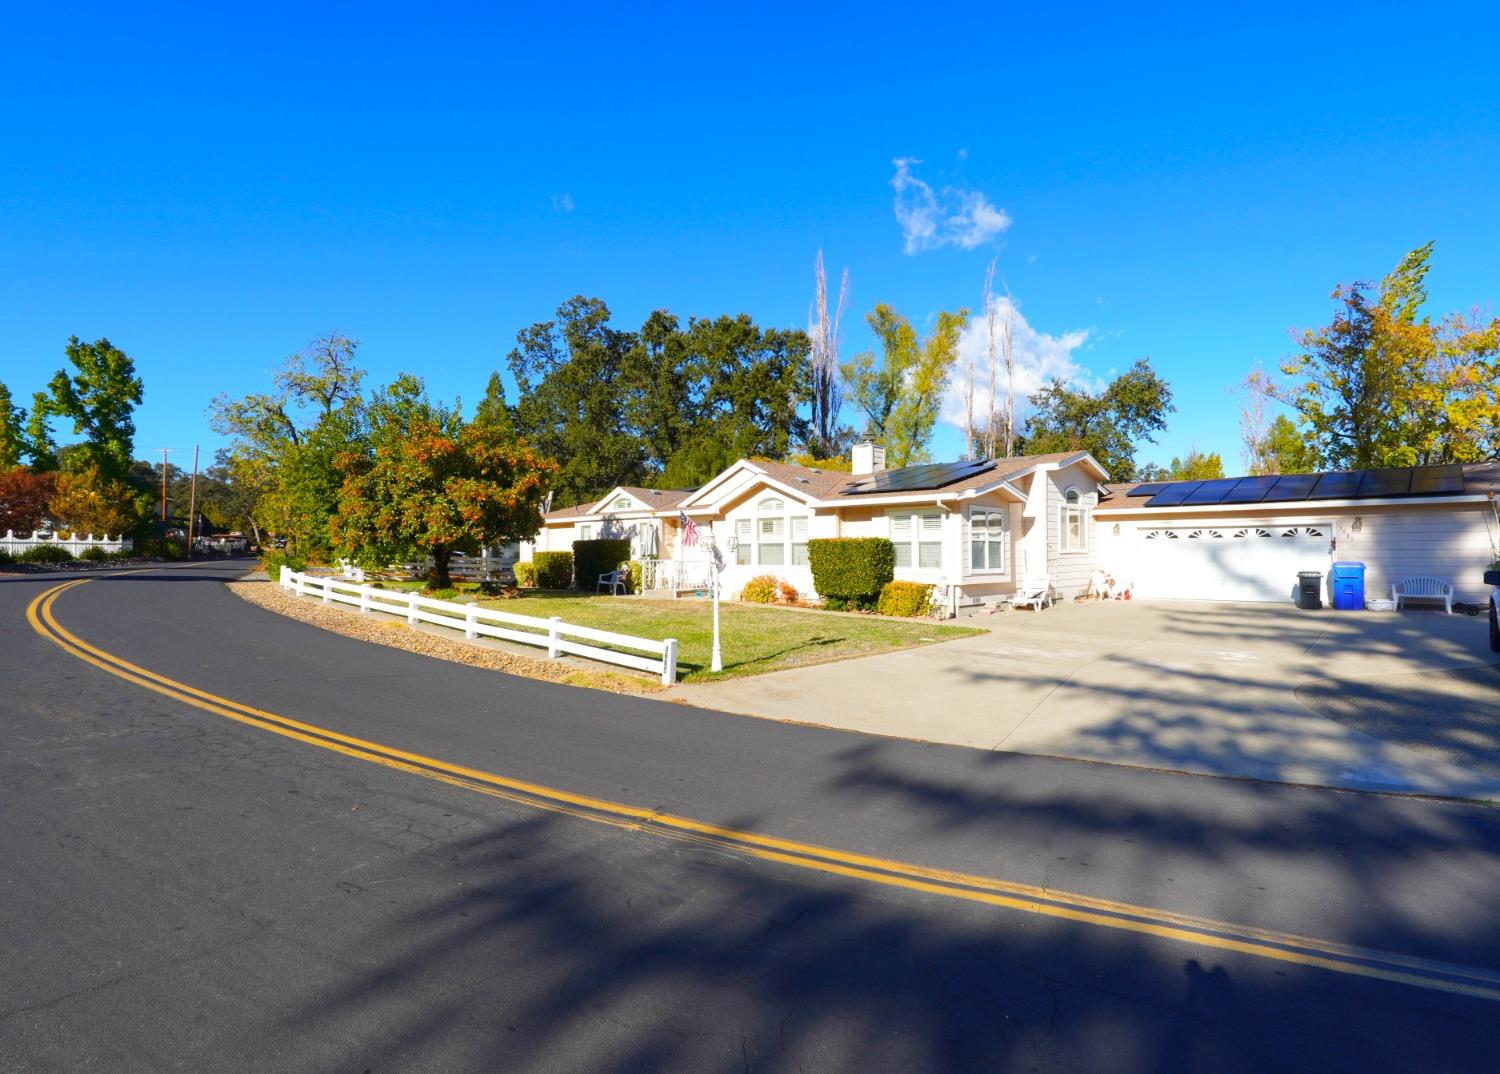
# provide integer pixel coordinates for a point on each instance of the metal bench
(1423, 588)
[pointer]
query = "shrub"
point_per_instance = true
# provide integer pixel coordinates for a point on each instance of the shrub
(525, 574)
(46, 553)
(273, 561)
(596, 557)
(94, 554)
(554, 570)
(637, 576)
(786, 593)
(851, 571)
(760, 590)
(905, 598)
(6, 559)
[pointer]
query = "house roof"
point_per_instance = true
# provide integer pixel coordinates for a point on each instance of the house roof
(832, 484)
(654, 499)
(1479, 479)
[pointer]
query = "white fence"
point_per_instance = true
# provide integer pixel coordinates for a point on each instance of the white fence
(551, 634)
(74, 544)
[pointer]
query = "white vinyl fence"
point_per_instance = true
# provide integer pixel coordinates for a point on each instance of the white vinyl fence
(74, 543)
(551, 634)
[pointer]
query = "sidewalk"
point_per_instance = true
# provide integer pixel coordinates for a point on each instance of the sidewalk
(1186, 686)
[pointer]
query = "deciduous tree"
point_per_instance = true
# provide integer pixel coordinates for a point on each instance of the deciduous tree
(1110, 425)
(24, 496)
(99, 397)
(1384, 385)
(12, 438)
(92, 501)
(433, 485)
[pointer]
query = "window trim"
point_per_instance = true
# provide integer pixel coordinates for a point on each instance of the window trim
(1063, 510)
(1003, 513)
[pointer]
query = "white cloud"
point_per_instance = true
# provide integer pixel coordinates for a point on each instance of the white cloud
(949, 216)
(562, 203)
(1038, 358)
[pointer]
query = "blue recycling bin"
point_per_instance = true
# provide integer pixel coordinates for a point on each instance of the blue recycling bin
(1348, 587)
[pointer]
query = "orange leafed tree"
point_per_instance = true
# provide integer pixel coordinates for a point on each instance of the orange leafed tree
(23, 499)
(435, 485)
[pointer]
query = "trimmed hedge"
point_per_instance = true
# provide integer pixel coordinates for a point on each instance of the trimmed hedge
(554, 570)
(851, 571)
(596, 557)
(909, 599)
(94, 554)
(760, 590)
(525, 574)
(46, 553)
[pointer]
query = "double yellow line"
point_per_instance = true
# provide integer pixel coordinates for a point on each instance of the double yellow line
(1201, 932)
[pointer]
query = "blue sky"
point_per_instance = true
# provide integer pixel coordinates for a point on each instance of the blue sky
(211, 189)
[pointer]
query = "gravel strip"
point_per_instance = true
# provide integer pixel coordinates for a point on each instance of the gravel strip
(431, 641)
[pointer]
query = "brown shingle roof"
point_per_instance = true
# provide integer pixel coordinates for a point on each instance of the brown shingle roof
(654, 499)
(828, 484)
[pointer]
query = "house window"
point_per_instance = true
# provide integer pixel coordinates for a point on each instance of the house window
(623, 503)
(742, 544)
(987, 543)
(918, 537)
(585, 533)
(780, 538)
(1073, 525)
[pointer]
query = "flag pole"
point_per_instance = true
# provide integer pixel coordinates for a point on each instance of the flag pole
(717, 663)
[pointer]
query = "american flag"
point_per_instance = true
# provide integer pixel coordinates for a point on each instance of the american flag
(689, 531)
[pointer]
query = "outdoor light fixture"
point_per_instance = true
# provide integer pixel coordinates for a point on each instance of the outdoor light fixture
(1359, 523)
(1117, 529)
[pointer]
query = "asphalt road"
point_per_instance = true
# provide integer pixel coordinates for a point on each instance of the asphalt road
(180, 891)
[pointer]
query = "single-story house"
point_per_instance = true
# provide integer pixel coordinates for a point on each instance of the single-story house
(977, 528)
(972, 527)
(1247, 538)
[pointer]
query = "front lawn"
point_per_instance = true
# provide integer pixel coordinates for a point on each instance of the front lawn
(754, 638)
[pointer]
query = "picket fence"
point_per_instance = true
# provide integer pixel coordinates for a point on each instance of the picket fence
(73, 543)
(557, 637)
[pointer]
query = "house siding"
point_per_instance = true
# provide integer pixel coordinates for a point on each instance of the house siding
(1070, 571)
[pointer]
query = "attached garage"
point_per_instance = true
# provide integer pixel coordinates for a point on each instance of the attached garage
(1253, 562)
(1168, 542)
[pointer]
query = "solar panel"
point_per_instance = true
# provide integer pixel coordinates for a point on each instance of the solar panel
(915, 478)
(1437, 480)
(1249, 490)
(1173, 494)
(1211, 492)
(1291, 487)
(1335, 486)
(1148, 489)
(1389, 482)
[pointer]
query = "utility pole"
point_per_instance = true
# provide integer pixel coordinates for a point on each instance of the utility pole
(193, 505)
(164, 452)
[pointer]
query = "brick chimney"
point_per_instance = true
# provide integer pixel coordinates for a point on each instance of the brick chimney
(867, 457)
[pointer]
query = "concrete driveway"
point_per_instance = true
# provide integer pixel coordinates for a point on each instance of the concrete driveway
(1188, 686)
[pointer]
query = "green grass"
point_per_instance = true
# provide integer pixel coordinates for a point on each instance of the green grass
(755, 638)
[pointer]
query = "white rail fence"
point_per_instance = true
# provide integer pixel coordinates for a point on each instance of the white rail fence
(557, 637)
(73, 543)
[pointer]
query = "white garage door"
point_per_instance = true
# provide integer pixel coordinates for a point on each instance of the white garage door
(1229, 563)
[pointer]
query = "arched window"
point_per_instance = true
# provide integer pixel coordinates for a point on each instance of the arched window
(1073, 530)
(623, 503)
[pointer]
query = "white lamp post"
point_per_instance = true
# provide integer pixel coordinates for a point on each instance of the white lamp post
(717, 662)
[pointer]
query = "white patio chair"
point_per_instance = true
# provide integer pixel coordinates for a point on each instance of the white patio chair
(1033, 592)
(614, 579)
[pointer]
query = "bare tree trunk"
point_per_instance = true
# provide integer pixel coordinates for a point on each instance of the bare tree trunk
(823, 332)
(440, 554)
(1253, 423)
(1010, 376)
(989, 313)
